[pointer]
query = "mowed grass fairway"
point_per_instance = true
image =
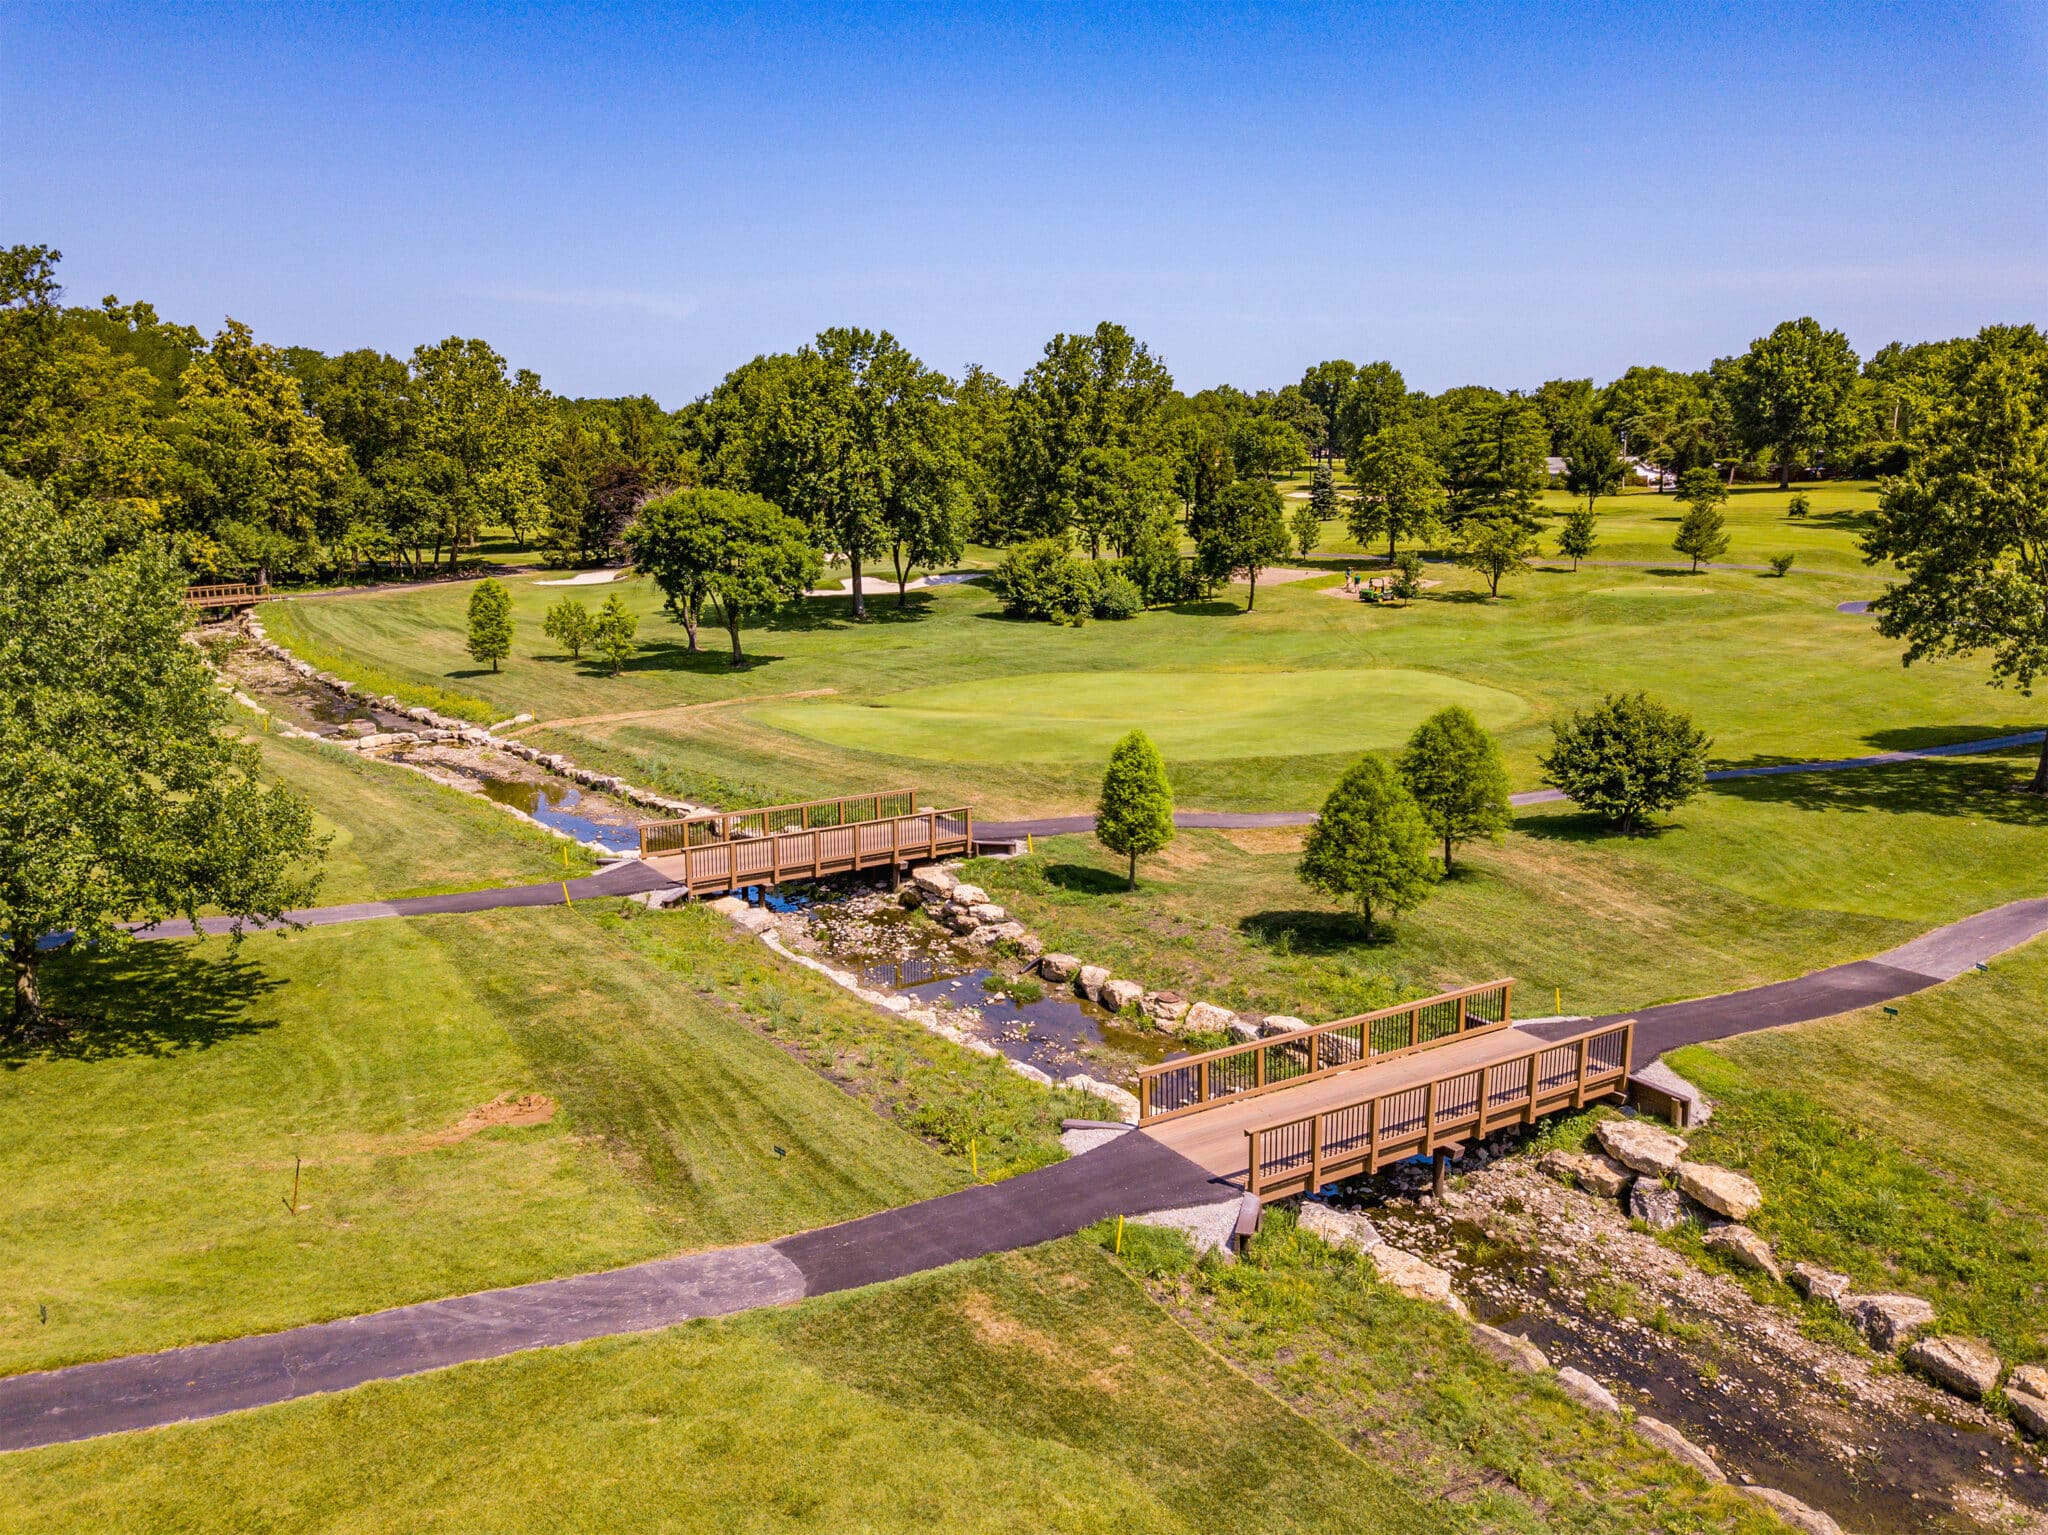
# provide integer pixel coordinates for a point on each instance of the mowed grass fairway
(1031, 1392)
(153, 1147)
(1191, 716)
(1263, 709)
(1758, 880)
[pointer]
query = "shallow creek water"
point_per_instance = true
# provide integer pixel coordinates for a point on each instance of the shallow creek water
(1885, 1454)
(896, 950)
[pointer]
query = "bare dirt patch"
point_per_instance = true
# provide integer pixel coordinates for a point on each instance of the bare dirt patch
(508, 1111)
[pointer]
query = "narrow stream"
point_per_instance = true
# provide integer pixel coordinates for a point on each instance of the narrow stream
(1030, 1021)
(551, 806)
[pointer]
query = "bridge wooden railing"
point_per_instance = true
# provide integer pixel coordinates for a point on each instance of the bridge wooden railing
(225, 594)
(1194, 1082)
(715, 826)
(776, 857)
(1298, 1156)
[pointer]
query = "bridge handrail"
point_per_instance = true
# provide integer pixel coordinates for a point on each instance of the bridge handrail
(713, 826)
(218, 591)
(1190, 1083)
(1400, 1122)
(823, 850)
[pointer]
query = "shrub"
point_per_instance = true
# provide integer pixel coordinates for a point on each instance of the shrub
(1799, 505)
(1781, 563)
(1044, 579)
(1407, 574)
(1119, 597)
(1627, 757)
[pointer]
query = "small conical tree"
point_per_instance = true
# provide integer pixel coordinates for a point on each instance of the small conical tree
(1370, 844)
(1135, 813)
(611, 634)
(1575, 540)
(1456, 773)
(490, 621)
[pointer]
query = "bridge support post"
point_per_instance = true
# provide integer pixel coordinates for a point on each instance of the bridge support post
(1442, 1159)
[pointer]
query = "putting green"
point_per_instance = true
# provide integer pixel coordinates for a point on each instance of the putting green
(1193, 716)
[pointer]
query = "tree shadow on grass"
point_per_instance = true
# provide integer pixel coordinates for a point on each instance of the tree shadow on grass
(713, 659)
(146, 999)
(1313, 932)
(1585, 828)
(1967, 789)
(1919, 738)
(1083, 879)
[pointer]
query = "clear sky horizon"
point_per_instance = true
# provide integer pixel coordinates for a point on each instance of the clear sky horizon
(637, 199)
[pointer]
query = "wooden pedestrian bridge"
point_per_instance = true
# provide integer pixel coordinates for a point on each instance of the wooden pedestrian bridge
(1292, 1112)
(718, 851)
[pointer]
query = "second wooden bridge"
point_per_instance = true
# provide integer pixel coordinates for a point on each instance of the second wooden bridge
(793, 844)
(1288, 1114)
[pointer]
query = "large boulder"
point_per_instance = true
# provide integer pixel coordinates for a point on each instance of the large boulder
(1058, 967)
(1793, 1513)
(1720, 1190)
(1657, 1207)
(1966, 1366)
(1123, 1101)
(2030, 1378)
(1166, 1008)
(970, 895)
(1516, 1353)
(1090, 982)
(1118, 995)
(1207, 1018)
(1676, 1445)
(937, 882)
(1638, 1144)
(2029, 1411)
(1743, 1246)
(1242, 1029)
(910, 897)
(1413, 1277)
(1888, 1321)
(1599, 1175)
(988, 913)
(1280, 1023)
(1339, 1228)
(1588, 1392)
(1817, 1283)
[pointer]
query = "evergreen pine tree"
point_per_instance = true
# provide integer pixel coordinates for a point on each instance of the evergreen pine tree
(1135, 813)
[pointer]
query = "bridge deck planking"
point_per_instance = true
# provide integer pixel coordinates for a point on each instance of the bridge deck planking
(1214, 1138)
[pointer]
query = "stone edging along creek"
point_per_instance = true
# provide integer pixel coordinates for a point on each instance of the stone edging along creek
(597, 811)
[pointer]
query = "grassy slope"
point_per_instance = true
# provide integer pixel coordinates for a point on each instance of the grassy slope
(1757, 880)
(1034, 1392)
(1768, 666)
(1905, 1150)
(153, 1147)
(396, 833)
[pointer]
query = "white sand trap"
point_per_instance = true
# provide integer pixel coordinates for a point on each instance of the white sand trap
(586, 578)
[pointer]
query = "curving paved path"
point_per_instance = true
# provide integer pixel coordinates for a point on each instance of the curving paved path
(1129, 1176)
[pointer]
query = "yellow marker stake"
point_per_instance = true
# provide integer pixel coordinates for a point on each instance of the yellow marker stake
(1119, 1236)
(1560, 999)
(565, 894)
(974, 1157)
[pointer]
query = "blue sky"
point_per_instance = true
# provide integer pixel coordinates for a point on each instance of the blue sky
(637, 199)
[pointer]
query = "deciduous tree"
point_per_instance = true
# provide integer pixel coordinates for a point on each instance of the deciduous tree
(1592, 463)
(1398, 488)
(1967, 523)
(1496, 547)
(1628, 757)
(1581, 531)
(1793, 394)
(1134, 814)
(1246, 531)
(128, 798)
(1457, 775)
(569, 625)
(490, 622)
(1370, 844)
(611, 634)
(1703, 532)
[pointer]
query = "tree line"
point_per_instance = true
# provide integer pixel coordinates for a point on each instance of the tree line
(275, 461)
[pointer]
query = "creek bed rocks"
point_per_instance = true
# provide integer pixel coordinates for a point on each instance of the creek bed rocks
(1835, 1432)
